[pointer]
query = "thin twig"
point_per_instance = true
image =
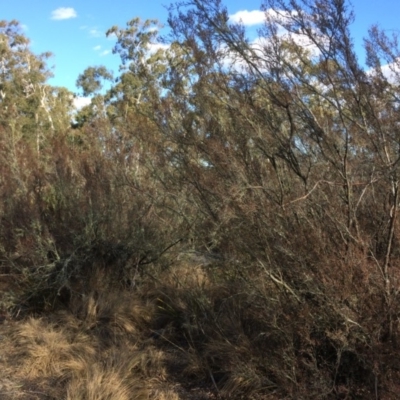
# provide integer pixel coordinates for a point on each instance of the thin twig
(280, 282)
(306, 195)
(167, 340)
(213, 381)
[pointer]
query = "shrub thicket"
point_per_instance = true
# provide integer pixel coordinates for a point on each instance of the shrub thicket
(223, 219)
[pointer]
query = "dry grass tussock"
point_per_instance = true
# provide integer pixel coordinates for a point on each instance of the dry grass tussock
(67, 356)
(110, 345)
(193, 331)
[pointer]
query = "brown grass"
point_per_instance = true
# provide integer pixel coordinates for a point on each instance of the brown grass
(197, 332)
(103, 347)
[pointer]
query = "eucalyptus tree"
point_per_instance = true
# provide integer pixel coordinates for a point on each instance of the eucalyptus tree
(30, 108)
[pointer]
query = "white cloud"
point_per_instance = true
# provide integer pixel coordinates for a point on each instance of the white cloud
(304, 41)
(103, 53)
(112, 36)
(63, 13)
(80, 102)
(260, 48)
(154, 47)
(301, 39)
(248, 18)
(389, 71)
(280, 16)
(94, 32)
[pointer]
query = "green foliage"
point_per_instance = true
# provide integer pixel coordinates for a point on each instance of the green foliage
(30, 109)
(90, 80)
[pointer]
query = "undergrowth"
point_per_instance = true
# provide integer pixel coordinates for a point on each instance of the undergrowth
(201, 232)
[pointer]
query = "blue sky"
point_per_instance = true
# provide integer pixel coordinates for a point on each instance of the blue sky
(74, 31)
